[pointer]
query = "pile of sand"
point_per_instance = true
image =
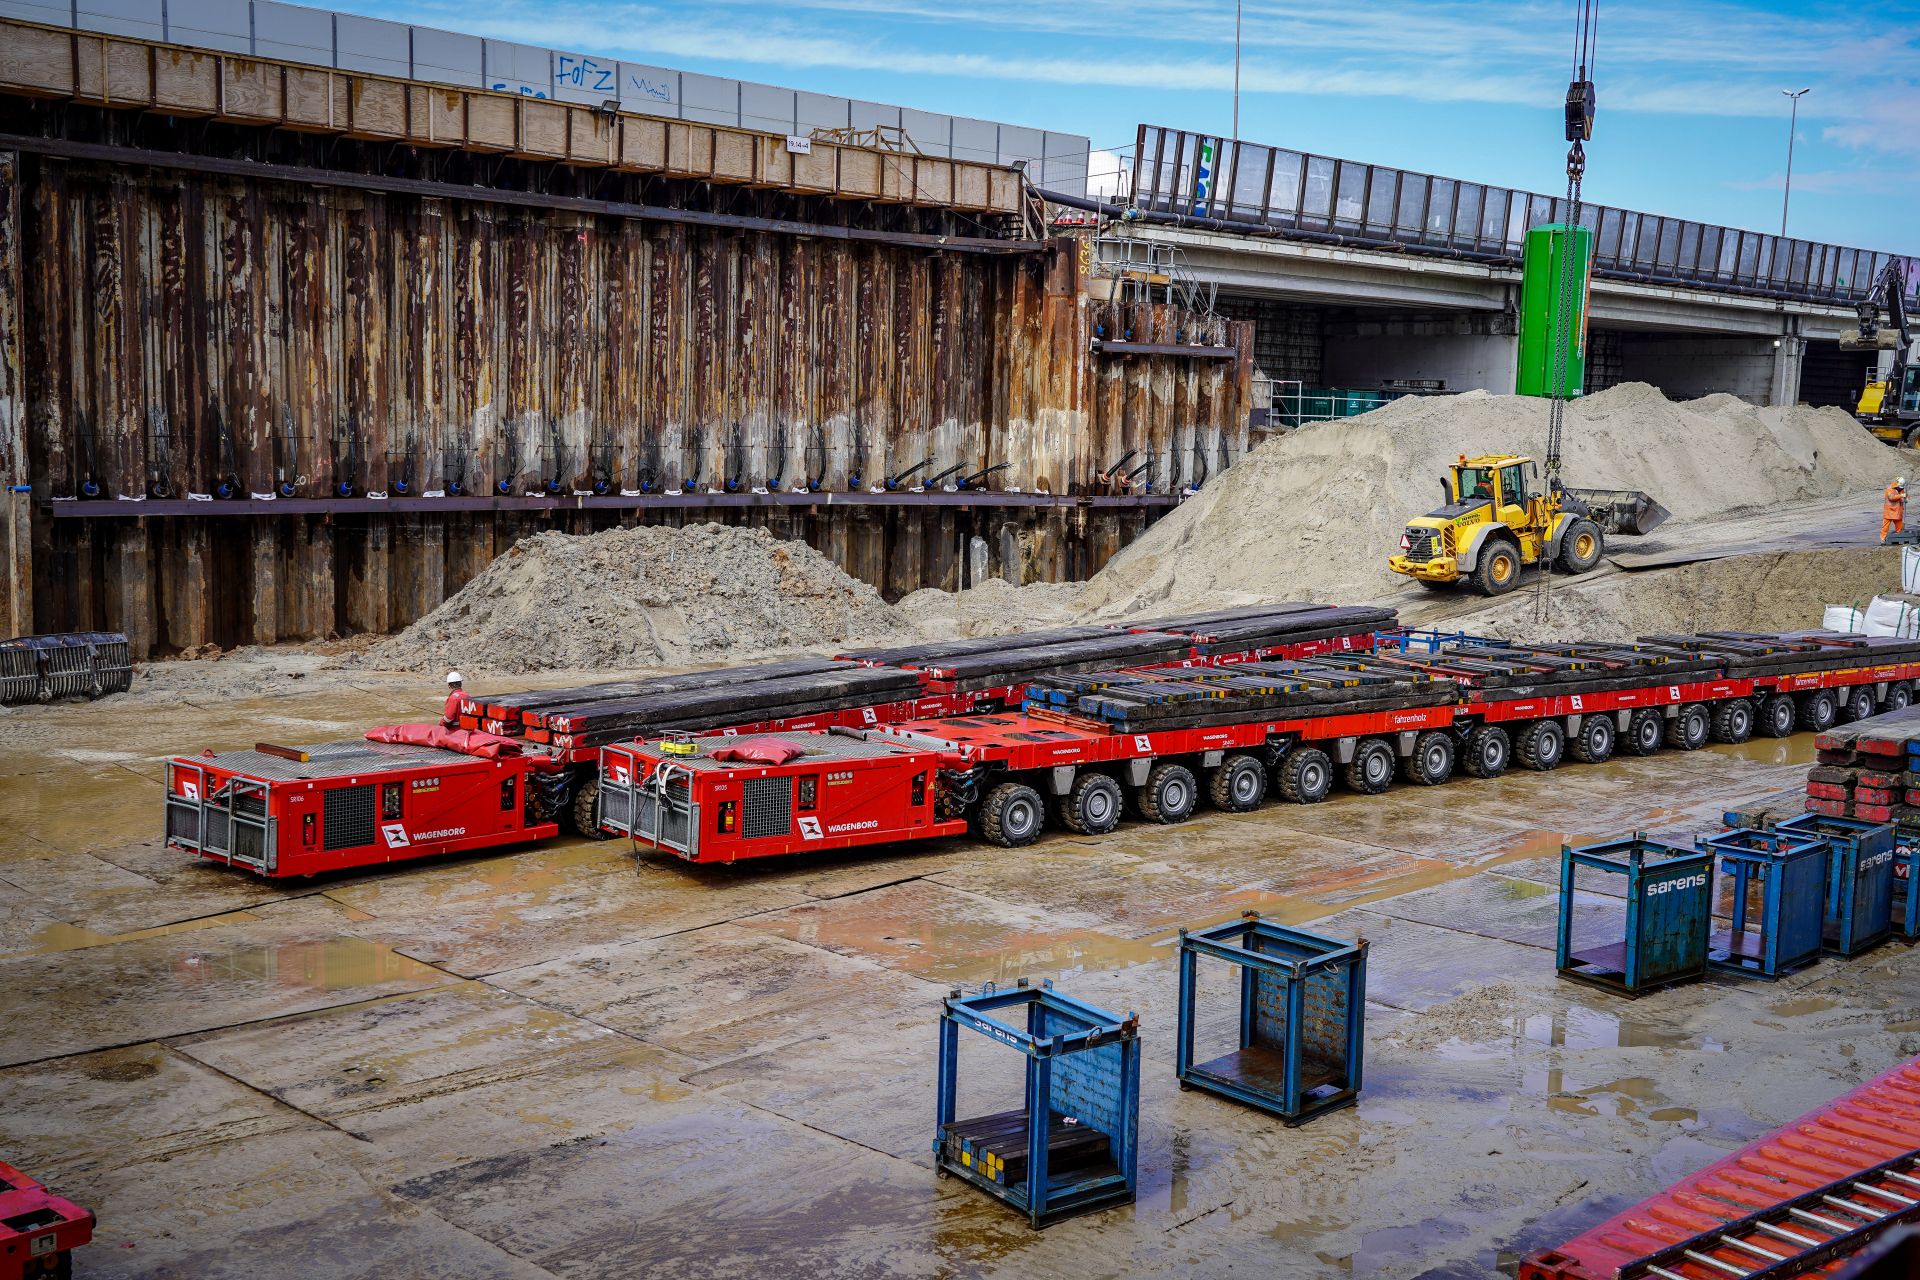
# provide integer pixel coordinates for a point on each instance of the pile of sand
(638, 597)
(1314, 514)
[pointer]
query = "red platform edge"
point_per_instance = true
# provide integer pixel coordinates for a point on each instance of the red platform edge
(1876, 1122)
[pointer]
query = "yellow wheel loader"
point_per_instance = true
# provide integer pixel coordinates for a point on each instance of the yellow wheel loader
(1498, 519)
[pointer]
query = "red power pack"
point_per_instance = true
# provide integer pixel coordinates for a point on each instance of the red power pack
(302, 810)
(38, 1229)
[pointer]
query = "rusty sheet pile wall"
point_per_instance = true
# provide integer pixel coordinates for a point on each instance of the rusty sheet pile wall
(162, 332)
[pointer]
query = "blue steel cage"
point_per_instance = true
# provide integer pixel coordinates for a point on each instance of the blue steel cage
(1661, 933)
(1302, 1018)
(1788, 872)
(1859, 879)
(1073, 1146)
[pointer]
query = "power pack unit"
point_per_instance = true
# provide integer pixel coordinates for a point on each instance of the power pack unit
(38, 1230)
(711, 800)
(298, 811)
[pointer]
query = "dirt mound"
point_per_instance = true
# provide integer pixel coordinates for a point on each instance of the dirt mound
(637, 597)
(1314, 514)
(1776, 592)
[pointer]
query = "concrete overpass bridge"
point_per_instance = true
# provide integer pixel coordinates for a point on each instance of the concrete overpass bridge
(1365, 276)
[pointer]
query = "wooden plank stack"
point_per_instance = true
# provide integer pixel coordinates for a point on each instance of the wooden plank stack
(1869, 769)
(1196, 698)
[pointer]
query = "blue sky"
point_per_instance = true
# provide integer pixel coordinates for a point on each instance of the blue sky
(1692, 122)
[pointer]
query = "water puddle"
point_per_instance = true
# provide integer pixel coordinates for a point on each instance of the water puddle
(72, 937)
(331, 964)
(1578, 1027)
(1802, 1006)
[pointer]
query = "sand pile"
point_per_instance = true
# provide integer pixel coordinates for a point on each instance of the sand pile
(640, 596)
(1313, 515)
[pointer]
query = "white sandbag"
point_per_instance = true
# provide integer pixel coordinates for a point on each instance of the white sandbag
(1892, 616)
(1910, 570)
(1843, 617)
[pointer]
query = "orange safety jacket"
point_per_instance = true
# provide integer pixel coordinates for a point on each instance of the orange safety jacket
(1894, 506)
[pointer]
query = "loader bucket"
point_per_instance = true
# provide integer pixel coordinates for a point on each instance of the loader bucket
(1627, 512)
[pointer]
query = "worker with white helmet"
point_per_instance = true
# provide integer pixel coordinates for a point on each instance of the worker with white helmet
(450, 714)
(1893, 507)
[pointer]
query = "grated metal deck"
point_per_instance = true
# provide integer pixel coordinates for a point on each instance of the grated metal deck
(331, 760)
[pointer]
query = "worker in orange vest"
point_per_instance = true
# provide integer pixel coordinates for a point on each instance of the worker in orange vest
(1893, 508)
(450, 714)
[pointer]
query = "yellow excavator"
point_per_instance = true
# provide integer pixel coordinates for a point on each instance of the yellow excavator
(1498, 519)
(1889, 406)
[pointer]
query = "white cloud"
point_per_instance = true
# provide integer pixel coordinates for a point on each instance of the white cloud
(1109, 175)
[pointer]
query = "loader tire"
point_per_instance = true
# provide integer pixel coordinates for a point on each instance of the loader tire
(1688, 730)
(1305, 775)
(1644, 733)
(1169, 793)
(1857, 703)
(1733, 720)
(1541, 745)
(1818, 710)
(1487, 752)
(1092, 807)
(1430, 763)
(583, 815)
(1778, 716)
(1238, 785)
(1371, 770)
(1595, 741)
(1012, 815)
(1581, 546)
(1899, 696)
(1499, 569)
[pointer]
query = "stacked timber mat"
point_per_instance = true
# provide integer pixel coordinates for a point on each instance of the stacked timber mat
(74, 664)
(1199, 697)
(712, 699)
(1869, 769)
(1502, 672)
(1261, 627)
(1749, 653)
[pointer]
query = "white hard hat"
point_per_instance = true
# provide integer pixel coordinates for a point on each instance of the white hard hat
(454, 677)
(1901, 481)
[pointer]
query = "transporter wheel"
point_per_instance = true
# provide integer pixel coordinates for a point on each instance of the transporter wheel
(1012, 815)
(1857, 703)
(1238, 785)
(1305, 775)
(1430, 763)
(1580, 546)
(1487, 752)
(1169, 793)
(1499, 568)
(1899, 696)
(1644, 732)
(1818, 710)
(1371, 770)
(1594, 743)
(1092, 807)
(1541, 745)
(1733, 720)
(584, 813)
(1777, 716)
(1688, 730)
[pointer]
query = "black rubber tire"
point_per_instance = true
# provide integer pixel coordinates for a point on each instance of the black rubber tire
(1899, 696)
(1430, 763)
(1644, 733)
(1238, 785)
(1733, 720)
(1778, 716)
(1541, 745)
(1688, 729)
(583, 815)
(1857, 703)
(1498, 571)
(1581, 533)
(1304, 776)
(1092, 806)
(1595, 742)
(1169, 793)
(1012, 815)
(1371, 770)
(1487, 751)
(1818, 710)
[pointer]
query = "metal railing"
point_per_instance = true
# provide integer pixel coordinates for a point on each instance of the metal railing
(1203, 176)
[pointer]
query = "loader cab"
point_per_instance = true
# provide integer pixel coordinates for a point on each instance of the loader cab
(1503, 481)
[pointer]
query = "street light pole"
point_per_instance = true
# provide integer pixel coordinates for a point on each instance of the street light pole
(1793, 127)
(1236, 69)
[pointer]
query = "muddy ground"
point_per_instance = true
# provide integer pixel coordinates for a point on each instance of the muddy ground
(571, 1061)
